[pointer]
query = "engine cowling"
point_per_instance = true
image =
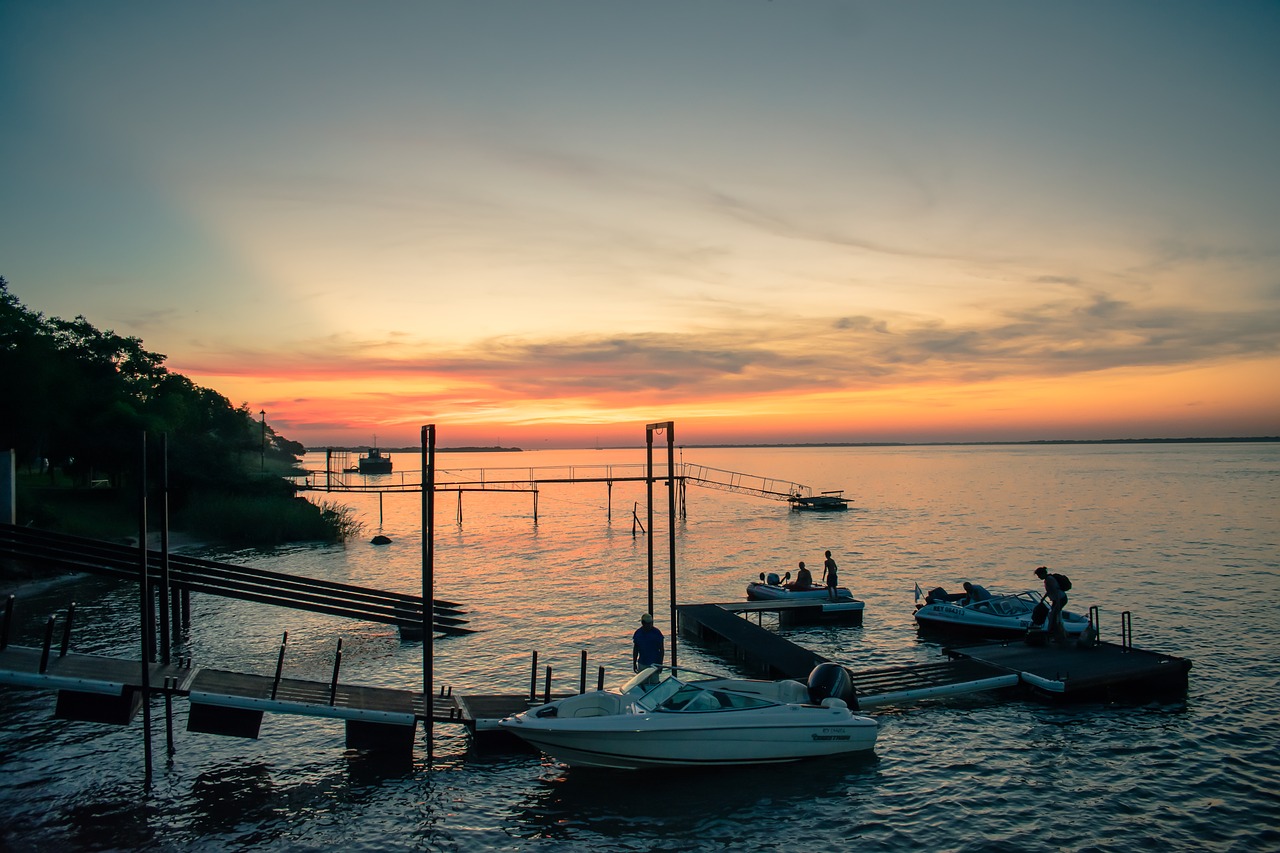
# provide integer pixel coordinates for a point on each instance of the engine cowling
(832, 681)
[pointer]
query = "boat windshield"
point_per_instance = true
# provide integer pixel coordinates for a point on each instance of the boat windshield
(658, 689)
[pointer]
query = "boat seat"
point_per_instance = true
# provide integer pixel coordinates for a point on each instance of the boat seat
(792, 691)
(602, 705)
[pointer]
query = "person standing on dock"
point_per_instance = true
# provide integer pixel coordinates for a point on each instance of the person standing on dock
(1057, 600)
(830, 577)
(647, 648)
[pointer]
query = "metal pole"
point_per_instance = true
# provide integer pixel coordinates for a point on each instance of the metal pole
(164, 549)
(263, 413)
(146, 607)
(648, 481)
(428, 577)
(671, 527)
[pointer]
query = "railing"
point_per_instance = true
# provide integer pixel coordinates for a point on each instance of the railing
(530, 478)
(749, 484)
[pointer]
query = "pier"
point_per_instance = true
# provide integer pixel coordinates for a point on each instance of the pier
(530, 480)
(109, 690)
(104, 689)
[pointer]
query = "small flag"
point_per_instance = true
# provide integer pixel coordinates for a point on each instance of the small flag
(919, 592)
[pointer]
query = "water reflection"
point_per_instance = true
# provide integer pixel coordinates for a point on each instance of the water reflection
(692, 803)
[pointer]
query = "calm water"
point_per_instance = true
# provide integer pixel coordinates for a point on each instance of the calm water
(1186, 537)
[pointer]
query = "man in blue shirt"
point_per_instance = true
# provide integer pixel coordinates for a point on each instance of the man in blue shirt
(647, 646)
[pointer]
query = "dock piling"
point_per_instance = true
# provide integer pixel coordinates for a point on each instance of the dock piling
(66, 630)
(533, 678)
(1126, 630)
(48, 642)
(546, 689)
(170, 685)
(582, 675)
(333, 685)
(8, 622)
(600, 679)
(275, 685)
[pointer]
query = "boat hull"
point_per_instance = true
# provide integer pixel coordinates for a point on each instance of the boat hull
(943, 617)
(636, 742)
(775, 592)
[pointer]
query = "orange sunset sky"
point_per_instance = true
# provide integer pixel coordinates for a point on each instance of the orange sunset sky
(548, 224)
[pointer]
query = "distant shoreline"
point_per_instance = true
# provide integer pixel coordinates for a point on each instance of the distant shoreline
(1035, 442)
(1055, 441)
(416, 449)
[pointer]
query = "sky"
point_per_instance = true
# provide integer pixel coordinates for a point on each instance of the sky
(549, 224)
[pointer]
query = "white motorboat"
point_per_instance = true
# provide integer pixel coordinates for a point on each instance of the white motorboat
(676, 717)
(1003, 615)
(770, 587)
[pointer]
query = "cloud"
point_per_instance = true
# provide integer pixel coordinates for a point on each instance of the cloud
(787, 356)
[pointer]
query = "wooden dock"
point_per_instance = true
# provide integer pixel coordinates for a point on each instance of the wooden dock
(1067, 671)
(802, 611)
(1070, 671)
(746, 642)
(111, 690)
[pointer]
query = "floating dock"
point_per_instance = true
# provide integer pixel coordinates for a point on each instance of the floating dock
(111, 690)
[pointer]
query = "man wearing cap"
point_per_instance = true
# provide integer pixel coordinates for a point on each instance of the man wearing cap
(1057, 601)
(646, 645)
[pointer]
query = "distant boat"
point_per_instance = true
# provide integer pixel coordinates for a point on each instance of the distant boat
(833, 501)
(374, 462)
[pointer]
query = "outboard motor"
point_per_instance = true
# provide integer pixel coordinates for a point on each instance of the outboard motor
(832, 681)
(774, 580)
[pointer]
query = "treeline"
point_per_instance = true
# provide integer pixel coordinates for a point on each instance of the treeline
(77, 400)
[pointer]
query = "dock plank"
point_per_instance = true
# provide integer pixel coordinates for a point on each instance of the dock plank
(757, 646)
(1067, 669)
(20, 666)
(298, 696)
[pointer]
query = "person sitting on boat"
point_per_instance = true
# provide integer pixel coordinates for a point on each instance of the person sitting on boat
(976, 592)
(804, 579)
(938, 595)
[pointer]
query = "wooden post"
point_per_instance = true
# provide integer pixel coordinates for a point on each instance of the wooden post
(533, 677)
(275, 685)
(66, 630)
(333, 685)
(48, 643)
(8, 621)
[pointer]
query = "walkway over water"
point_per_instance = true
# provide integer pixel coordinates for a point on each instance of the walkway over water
(529, 479)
